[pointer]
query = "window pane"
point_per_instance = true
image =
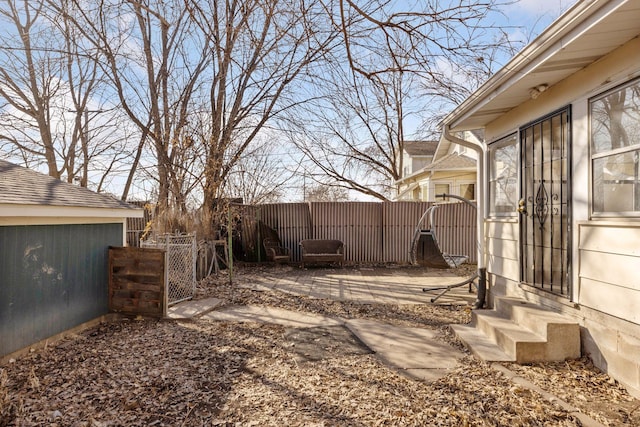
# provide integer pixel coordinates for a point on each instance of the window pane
(503, 180)
(442, 189)
(616, 183)
(615, 119)
(468, 191)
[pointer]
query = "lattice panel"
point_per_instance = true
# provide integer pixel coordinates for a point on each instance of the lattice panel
(181, 255)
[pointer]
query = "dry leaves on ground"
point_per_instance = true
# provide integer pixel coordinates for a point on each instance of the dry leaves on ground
(200, 372)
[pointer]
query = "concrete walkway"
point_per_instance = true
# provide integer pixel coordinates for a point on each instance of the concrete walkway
(414, 352)
(411, 351)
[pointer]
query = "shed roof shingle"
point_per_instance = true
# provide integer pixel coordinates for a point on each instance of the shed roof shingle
(420, 148)
(452, 161)
(22, 186)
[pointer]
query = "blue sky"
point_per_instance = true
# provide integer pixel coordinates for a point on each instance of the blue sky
(525, 19)
(533, 16)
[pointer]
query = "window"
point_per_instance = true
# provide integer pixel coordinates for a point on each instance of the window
(468, 191)
(441, 189)
(615, 151)
(503, 177)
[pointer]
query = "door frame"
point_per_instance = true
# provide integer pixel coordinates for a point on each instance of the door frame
(566, 290)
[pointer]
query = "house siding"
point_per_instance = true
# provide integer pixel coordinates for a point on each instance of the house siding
(605, 252)
(52, 278)
(502, 247)
(608, 271)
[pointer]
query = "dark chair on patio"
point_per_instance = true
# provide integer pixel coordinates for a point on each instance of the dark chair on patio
(275, 251)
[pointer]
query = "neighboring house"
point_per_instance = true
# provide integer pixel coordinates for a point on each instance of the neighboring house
(54, 240)
(416, 155)
(451, 169)
(562, 203)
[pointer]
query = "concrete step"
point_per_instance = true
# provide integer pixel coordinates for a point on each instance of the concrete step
(533, 316)
(520, 343)
(480, 345)
(523, 331)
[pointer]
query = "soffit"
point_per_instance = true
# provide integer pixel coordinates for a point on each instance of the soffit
(562, 50)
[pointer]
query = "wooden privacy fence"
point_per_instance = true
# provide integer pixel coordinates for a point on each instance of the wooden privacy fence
(371, 231)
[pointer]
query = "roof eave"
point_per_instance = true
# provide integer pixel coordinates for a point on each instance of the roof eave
(27, 210)
(534, 54)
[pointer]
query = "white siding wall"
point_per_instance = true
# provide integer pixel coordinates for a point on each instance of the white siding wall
(502, 249)
(606, 254)
(608, 270)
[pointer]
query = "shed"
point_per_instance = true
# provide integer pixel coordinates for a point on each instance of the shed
(560, 177)
(54, 241)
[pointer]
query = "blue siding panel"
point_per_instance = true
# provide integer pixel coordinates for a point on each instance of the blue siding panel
(52, 278)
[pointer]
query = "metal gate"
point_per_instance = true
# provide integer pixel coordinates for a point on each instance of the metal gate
(545, 209)
(181, 252)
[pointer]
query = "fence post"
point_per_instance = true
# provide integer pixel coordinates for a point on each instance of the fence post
(194, 255)
(230, 239)
(165, 302)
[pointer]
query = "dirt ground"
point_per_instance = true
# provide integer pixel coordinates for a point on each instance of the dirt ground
(202, 373)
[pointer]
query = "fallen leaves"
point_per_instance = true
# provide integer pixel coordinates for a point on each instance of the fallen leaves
(200, 372)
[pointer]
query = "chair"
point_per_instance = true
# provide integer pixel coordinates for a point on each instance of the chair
(275, 251)
(426, 251)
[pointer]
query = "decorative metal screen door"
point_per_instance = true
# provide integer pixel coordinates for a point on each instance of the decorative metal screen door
(544, 208)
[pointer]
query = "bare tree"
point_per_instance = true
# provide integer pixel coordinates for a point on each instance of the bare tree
(154, 63)
(262, 52)
(354, 137)
(261, 175)
(28, 84)
(51, 94)
(326, 193)
(398, 64)
(202, 82)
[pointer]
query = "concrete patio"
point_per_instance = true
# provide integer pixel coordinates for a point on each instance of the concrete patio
(366, 285)
(411, 351)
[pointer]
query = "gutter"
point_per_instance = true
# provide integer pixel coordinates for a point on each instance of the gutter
(480, 184)
(576, 20)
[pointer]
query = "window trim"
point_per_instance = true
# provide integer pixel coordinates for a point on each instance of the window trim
(459, 184)
(512, 139)
(614, 152)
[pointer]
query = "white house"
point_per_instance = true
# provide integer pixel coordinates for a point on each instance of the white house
(451, 169)
(559, 181)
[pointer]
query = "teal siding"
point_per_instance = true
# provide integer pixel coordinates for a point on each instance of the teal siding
(52, 278)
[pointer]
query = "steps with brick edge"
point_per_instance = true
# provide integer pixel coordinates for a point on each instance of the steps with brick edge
(520, 331)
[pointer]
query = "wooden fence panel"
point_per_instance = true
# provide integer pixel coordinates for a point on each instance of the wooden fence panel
(137, 281)
(400, 220)
(357, 224)
(371, 231)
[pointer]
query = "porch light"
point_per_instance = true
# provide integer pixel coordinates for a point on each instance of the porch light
(534, 92)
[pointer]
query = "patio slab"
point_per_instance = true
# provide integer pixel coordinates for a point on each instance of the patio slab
(416, 352)
(365, 285)
(190, 309)
(271, 315)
